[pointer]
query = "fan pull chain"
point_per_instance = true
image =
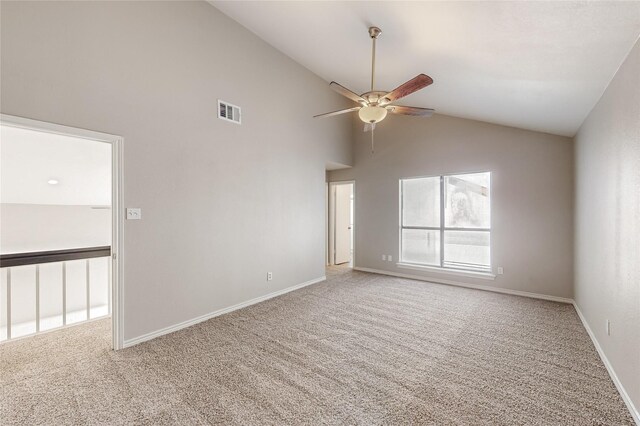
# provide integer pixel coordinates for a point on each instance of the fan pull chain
(372, 150)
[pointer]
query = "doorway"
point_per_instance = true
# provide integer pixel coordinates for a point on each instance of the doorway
(341, 213)
(60, 255)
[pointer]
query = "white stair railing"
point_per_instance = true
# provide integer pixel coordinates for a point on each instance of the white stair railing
(16, 296)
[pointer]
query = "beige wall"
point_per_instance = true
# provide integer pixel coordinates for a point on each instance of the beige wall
(607, 262)
(39, 227)
(216, 197)
(532, 195)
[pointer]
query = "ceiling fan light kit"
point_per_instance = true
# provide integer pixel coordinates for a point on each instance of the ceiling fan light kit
(372, 114)
(374, 105)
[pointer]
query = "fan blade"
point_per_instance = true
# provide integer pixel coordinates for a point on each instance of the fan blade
(406, 110)
(369, 127)
(347, 93)
(341, 111)
(413, 85)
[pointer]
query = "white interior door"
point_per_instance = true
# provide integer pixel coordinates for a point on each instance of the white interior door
(342, 227)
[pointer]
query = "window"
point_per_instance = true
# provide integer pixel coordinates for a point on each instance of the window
(445, 221)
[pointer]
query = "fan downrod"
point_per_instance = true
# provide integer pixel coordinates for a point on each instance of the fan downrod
(374, 32)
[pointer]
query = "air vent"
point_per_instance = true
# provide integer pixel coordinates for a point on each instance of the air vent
(229, 112)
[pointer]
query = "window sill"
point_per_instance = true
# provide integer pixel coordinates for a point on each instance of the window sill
(446, 271)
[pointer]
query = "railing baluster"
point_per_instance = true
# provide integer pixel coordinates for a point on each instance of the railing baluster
(62, 257)
(37, 298)
(64, 293)
(88, 281)
(8, 303)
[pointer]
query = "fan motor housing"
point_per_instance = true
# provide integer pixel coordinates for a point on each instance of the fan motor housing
(374, 97)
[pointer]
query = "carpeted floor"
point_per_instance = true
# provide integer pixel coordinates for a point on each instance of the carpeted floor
(357, 349)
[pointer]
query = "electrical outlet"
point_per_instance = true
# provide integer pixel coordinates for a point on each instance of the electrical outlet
(500, 270)
(390, 258)
(269, 276)
(384, 257)
(608, 328)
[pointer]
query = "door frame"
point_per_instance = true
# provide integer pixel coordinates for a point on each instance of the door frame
(331, 214)
(117, 216)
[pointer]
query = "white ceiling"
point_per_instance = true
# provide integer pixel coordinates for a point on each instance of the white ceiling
(28, 159)
(533, 65)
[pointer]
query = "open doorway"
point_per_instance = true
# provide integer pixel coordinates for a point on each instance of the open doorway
(61, 227)
(341, 229)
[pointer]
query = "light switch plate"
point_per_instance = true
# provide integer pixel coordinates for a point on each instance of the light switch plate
(134, 214)
(384, 257)
(390, 258)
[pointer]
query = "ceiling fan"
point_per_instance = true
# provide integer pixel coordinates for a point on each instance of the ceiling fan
(374, 104)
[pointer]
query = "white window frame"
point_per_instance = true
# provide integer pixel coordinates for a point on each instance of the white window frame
(474, 272)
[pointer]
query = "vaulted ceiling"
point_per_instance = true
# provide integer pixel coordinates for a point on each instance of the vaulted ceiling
(534, 65)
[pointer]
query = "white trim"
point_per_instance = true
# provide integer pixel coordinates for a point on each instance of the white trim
(458, 272)
(205, 317)
(621, 390)
(117, 245)
(635, 413)
(326, 224)
(27, 123)
(473, 286)
(332, 213)
(117, 238)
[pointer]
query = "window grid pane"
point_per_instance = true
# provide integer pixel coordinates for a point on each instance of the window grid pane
(466, 202)
(421, 246)
(467, 250)
(421, 202)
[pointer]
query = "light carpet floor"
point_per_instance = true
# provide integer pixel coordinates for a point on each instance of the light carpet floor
(358, 349)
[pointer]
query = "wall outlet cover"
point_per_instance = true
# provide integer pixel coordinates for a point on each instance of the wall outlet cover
(384, 257)
(134, 213)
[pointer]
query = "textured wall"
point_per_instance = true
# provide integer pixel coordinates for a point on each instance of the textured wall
(38, 227)
(532, 194)
(607, 263)
(216, 197)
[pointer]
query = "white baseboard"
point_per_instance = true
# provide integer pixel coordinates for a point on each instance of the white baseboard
(188, 323)
(623, 393)
(473, 286)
